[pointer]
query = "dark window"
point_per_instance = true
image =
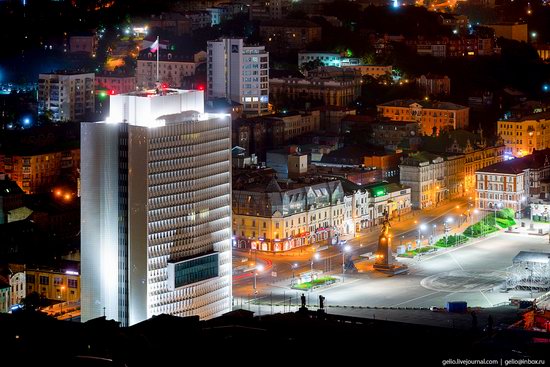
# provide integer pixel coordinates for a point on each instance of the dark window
(73, 283)
(44, 280)
(195, 270)
(31, 279)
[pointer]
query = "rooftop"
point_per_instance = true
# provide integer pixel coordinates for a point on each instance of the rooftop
(436, 105)
(537, 159)
(295, 23)
(532, 117)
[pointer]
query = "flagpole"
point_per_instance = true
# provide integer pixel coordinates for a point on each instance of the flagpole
(158, 52)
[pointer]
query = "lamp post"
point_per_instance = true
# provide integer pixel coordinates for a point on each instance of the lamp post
(344, 250)
(258, 269)
(447, 223)
(293, 267)
(316, 257)
(420, 229)
(61, 304)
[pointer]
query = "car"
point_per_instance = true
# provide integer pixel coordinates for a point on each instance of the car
(435, 309)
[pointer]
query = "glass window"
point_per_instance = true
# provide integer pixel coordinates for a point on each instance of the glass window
(72, 283)
(195, 270)
(44, 280)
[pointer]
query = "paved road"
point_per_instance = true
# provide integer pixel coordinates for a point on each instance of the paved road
(297, 261)
(471, 273)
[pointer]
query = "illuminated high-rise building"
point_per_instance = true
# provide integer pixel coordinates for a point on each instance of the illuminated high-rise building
(156, 209)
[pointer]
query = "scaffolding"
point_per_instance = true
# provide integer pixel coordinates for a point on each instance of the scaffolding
(530, 271)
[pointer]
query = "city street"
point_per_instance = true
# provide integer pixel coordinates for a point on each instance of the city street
(473, 273)
(291, 263)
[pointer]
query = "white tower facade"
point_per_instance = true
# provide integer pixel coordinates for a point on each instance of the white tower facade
(156, 209)
(239, 73)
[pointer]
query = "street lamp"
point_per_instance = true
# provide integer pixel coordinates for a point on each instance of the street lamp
(316, 257)
(294, 266)
(420, 229)
(344, 250)
(447, 224)
(258, 269)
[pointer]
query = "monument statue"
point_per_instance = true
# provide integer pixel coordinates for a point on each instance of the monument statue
(384, 260)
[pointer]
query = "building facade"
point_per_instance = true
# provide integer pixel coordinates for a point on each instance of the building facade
(239, 73)
(55, 284)
(67, 96)
(271, 217)
(279, 35)
(173, 68)
(156, 209)
(115, 84)
(434, 85)
(438, 116)
(424, 173)
(328, 85)
(36, 173)
(524, 134)
(391, 198)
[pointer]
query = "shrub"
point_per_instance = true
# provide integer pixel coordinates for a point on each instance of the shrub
(452, 240)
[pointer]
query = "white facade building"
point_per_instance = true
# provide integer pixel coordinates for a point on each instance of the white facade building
(156, 209)
(424, 173)
(68, 95)
(239, 73)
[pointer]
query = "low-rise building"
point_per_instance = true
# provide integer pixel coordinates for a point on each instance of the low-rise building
(523, 135)
(516, 31)
(173, 68)
(115, 83)
(330, 86)
(5, 296)
(391, 198)
(284, 34)
(432, 116)
(83, 43)
(325, 58)
(375, 71)
(434, 85)
(278, 216)
(390, 133)
(55, 283)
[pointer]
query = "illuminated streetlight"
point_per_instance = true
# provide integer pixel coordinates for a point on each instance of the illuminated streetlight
(258, 269)
(345, 249)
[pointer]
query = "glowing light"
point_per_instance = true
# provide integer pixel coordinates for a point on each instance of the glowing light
(395, 4)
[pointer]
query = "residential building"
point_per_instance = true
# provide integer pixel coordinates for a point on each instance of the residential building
(175, 23)
(433, 117)
(376, 71)
(173, 68)
(331, 117)
(17, 280)
(424, 173)
(68, 96)
(516, 31)
(11, 198)
(330, 86)
(115, 83)
(156, 209)
(36, 170)
(284, 34)
(326, 58)
(523, 135)
(279, 216)
(434, 85)
(239, 73)
(226, 11)
(269, 10)
(55, 283)
(84, 43)
(388, 163)
(390, 133)
(199, 19)
(479, 152)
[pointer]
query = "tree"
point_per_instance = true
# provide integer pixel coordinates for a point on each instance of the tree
(310, 65)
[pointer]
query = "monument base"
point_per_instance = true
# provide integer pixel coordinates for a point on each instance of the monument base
(392, 269)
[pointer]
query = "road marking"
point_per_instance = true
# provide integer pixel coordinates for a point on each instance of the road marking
(414, 299)
(457, 263)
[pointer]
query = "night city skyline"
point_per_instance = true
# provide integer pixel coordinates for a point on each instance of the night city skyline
(279, 181)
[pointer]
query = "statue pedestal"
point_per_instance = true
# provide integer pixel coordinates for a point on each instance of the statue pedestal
(385, 262)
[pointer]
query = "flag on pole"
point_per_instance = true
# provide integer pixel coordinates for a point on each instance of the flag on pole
(155, 46)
